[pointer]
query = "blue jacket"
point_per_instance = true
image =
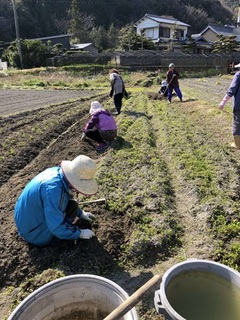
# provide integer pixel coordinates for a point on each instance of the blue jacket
(40, 209)
(234, 91)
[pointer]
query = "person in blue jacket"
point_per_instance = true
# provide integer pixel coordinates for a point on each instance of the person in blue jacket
(45, 209)
(234, 92)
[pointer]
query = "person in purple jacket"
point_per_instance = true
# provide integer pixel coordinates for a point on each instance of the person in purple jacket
(234, 91)
(45, 209)
(101, 127)
(173, 83)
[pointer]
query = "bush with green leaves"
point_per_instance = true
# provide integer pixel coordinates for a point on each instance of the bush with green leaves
(34, 54)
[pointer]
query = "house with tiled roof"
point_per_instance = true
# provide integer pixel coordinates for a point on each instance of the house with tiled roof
(205, 39)
(167, 32)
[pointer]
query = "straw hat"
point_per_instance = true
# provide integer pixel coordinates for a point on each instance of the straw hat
(95, 106)
(80, 174)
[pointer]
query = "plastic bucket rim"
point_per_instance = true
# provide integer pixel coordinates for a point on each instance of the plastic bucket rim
(165, 279)
(40, 291)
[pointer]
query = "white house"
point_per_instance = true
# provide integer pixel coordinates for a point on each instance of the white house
(162, 29)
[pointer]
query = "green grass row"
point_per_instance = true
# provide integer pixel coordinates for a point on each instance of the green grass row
(136, 179)
(197, 152)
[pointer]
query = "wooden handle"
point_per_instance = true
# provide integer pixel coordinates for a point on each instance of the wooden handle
(130, 302)
(103, 200)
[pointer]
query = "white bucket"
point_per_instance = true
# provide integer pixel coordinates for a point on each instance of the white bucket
(81, 296)
(199, 290)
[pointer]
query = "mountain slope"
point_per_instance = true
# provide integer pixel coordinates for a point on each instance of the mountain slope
(51, 17)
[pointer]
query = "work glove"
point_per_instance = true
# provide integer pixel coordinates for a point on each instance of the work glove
(86, 234)
(88, 216)
(224, 101)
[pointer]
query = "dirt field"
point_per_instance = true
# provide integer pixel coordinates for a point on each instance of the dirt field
(45, 135)
(12, 101)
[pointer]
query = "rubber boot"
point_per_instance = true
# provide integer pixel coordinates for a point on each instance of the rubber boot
(236, 143)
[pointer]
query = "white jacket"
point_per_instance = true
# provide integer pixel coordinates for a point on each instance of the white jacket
(116, 83)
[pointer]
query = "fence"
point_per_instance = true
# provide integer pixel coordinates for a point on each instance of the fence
(152, 60)
(184, 62)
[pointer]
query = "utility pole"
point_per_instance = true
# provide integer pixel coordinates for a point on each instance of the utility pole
(238, 17)
(17, 33)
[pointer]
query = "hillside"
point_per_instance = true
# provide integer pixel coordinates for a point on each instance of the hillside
(52, 17)
(170, 178)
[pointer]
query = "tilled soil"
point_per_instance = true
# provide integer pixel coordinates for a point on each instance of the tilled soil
(41, 138)
(12, 101)
(40, 149)
(18, 259)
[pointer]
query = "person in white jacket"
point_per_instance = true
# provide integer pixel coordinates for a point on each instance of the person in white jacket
(118, 90)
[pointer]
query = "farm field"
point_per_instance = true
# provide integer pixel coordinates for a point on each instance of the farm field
(170, 178)
(14, 101)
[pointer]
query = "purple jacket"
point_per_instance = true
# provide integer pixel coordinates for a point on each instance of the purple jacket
(234, 91)
(102, 120)
(172, 81)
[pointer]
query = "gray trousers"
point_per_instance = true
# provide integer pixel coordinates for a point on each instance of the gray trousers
(236, 123)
